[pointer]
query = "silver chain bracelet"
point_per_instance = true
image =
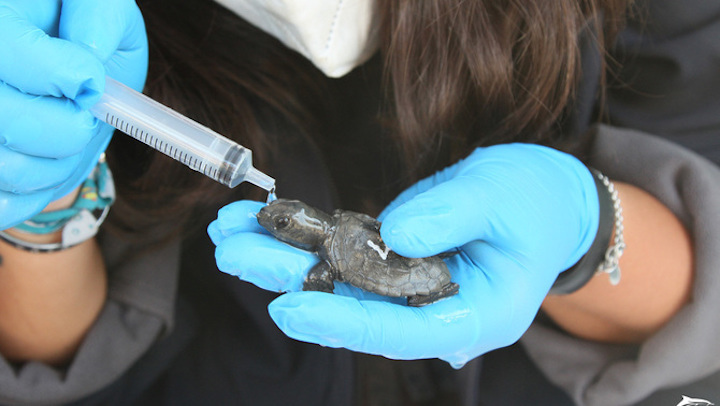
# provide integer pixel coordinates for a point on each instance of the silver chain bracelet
(611, 263)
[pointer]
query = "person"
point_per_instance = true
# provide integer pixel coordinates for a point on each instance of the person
(482, 99)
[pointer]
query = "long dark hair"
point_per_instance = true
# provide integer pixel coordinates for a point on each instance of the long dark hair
(469, 73)
(458, 74)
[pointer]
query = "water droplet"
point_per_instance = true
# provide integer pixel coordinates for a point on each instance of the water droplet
(271, 196)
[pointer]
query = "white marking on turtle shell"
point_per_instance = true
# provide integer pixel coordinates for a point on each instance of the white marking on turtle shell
(382, 252)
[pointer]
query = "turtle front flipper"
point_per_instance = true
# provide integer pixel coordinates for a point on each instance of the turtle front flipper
(422, 300)
(320, 278)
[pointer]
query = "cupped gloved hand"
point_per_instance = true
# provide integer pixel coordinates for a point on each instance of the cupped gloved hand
(55, 56)
(518, 214)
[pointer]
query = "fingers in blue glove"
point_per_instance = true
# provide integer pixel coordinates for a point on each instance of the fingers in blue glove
(434, 221)
(56, 55)
(492, 310)
(15, 177)
(96, 33)
(65, 57)
(43, 65)
(246, 250)
(490, 196)
(236, 217)
(114, 31)
(43, 126)
(263, 261)
(374, 327)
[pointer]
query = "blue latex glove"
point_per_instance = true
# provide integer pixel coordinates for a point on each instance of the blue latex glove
(519, 213)
(55, 56)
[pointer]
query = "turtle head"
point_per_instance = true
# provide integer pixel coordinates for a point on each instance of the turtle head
(295, 223)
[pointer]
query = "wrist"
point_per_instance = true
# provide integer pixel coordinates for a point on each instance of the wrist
(656, 283)
(52, 237)
(68, 221)
(601, 257)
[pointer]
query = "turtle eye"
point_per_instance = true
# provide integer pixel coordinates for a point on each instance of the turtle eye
(282, 222)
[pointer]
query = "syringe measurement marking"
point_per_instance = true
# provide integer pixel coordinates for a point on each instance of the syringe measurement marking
(200, 165)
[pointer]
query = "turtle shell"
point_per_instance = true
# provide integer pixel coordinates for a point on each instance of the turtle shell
(359, 256)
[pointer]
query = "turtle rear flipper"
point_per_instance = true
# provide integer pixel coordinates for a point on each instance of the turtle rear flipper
(320, 278)
(422, 300)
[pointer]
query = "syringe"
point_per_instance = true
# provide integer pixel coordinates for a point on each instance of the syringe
(175, 135)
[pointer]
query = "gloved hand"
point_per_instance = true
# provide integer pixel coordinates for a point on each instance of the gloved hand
(55, 56)
(520, 214)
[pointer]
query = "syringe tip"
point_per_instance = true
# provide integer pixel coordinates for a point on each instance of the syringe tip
(259, 179)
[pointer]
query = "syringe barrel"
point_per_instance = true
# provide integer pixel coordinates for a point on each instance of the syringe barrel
(177, 136)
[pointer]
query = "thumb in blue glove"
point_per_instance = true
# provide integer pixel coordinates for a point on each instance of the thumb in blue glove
(55, 58)
(520, 214)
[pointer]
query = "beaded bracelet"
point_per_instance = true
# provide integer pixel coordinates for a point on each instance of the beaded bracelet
(79, 222)
(611, 263)
(608, 259)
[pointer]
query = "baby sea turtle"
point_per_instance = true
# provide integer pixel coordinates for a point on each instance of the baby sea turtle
(351, 250)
